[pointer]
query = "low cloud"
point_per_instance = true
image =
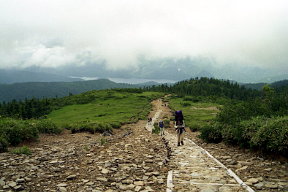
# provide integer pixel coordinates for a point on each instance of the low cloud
(53, 33)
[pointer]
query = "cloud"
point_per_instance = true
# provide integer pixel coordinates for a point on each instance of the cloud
(58, 33)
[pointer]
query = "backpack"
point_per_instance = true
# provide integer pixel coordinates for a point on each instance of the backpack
(179, 116)
(161, 124)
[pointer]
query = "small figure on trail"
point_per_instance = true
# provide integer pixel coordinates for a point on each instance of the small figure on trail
(161, 125)
(179, 127)
(149, 120)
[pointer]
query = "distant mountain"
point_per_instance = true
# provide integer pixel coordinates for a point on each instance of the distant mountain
(274, 78)
(19, 76)
(258, 86)
(204, 74)
(283, 83)
(169, 68)
(20, 91)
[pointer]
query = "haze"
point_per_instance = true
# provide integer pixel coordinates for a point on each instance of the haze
(53, 33)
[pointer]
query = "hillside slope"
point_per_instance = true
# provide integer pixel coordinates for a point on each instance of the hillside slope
(20, 91)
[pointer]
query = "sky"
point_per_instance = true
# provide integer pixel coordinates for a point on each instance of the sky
(54, 33)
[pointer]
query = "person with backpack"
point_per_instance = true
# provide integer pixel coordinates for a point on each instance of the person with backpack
(161, 125)
(179, 127)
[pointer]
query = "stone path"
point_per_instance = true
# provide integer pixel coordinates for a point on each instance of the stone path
(194, 169)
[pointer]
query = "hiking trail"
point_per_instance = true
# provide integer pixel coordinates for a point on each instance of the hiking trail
(194, 169)
(132, 159)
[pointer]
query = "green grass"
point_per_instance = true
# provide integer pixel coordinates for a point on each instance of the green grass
(22, 150)
(112, 107)
(196, 114)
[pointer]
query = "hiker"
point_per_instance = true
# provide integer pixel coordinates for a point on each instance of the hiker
(179, 127)
(161, 125)
(149, 120)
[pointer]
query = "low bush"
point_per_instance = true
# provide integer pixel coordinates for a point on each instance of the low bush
(47, 126)
(13, 131)
(16, 131)
(22, 150)
(211, 133)
(3, 144)
(156, 128)
(265, 134)
(194, 126)
(272, 136)
(185, 104)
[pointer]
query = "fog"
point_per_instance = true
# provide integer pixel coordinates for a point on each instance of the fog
(53, 33)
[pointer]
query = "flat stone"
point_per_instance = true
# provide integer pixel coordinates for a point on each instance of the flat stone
(18, 187)
(62, 189)
(131, 186)
(138, 188)
(53, 162)
(101, 179)
(104, 171)
(62, 185)
(90, 183)
(139, 183)
(259, 185)
(208, 189)
(271, 185)
(12, 184)
(123, 187)
(127, 181)
(71, 177)
(2, 183)
(20, 180)
(252, 180)
(226, 157)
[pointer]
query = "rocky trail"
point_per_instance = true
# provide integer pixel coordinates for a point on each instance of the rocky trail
(134, 159)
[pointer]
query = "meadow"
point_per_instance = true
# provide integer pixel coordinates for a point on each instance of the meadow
(93, 111)
(197, 113)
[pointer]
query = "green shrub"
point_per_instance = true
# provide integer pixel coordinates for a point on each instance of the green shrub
(166, 123)
(185, 104)
(194, 127)
(47, 126)
(250, 128)
(3, 144)
(22, 150)
(16, 131)
(193, 99)
(115, 125)
(232, 134)
(211, 133)
(156, 128)
(273, 136)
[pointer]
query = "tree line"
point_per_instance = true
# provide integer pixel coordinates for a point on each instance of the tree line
(207, 87)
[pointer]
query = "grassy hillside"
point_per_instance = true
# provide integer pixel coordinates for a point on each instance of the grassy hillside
(93, 111)
(20, 91)
(197, 113)
(107, 107)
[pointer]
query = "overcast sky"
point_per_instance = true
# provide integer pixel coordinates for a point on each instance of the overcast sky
(63, 32)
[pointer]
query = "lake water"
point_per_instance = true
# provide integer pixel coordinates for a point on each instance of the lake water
(128, 80)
